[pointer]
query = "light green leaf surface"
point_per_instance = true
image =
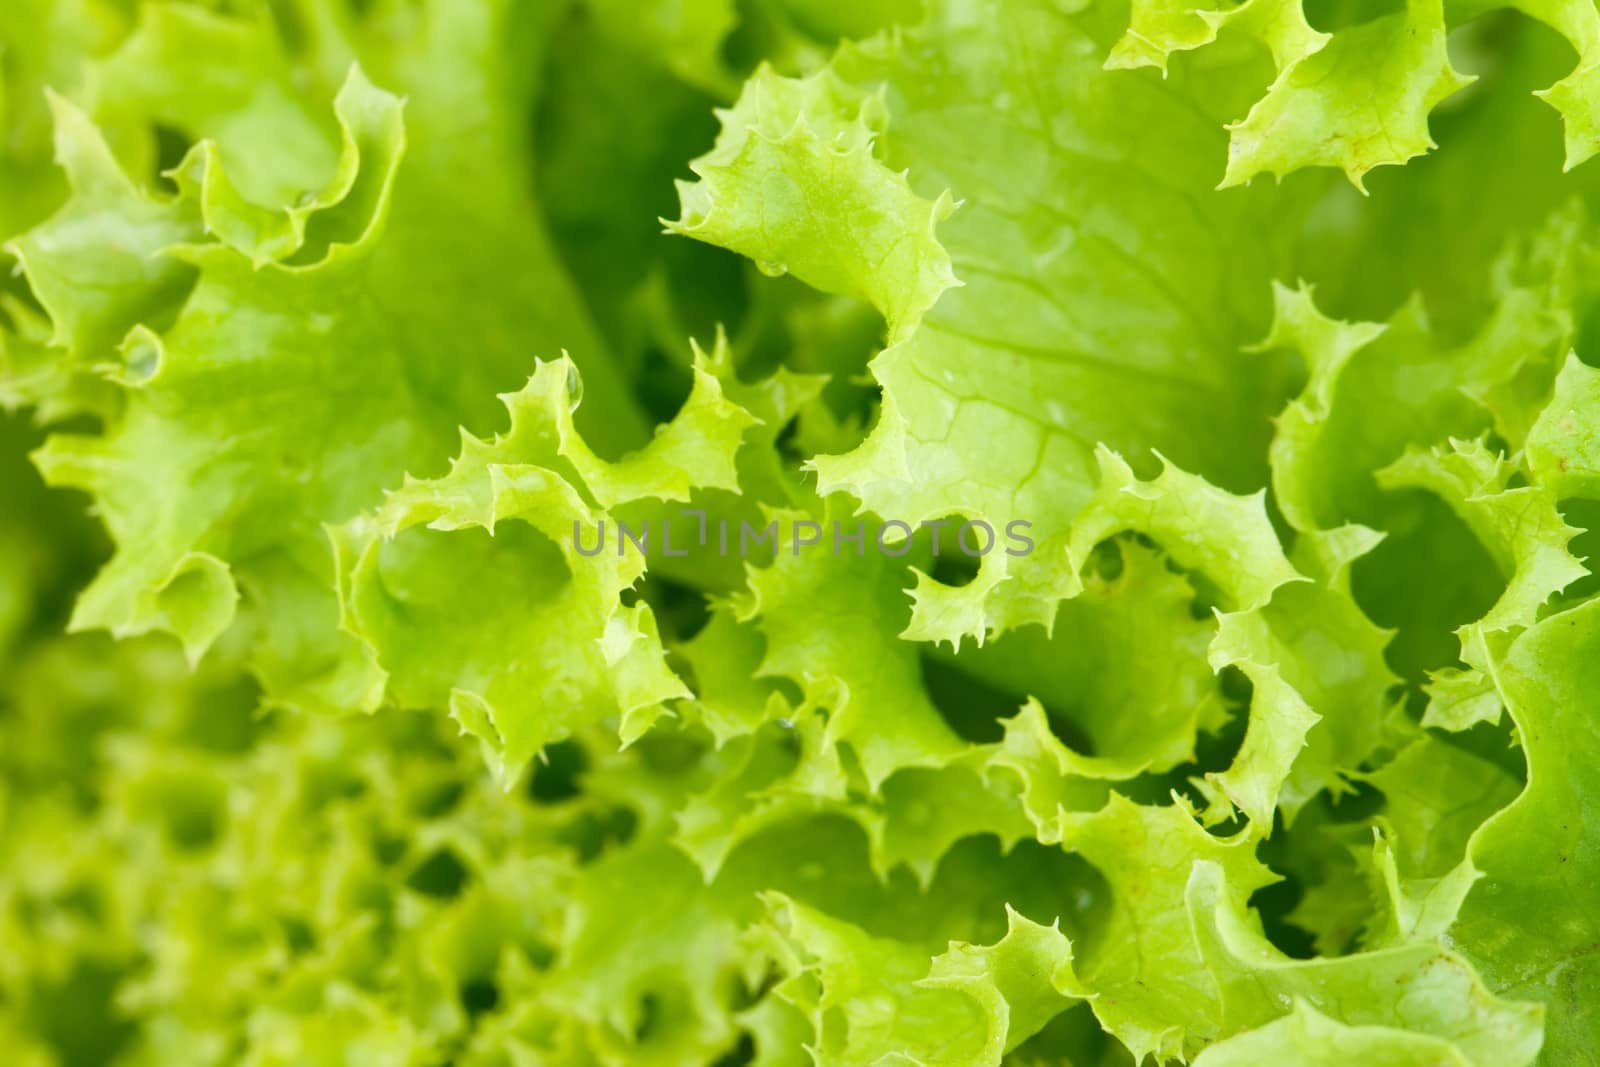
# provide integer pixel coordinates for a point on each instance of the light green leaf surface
(1537, 852)
(338, 329)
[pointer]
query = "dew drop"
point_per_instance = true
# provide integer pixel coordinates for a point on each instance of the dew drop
(771, 269)
(142, 360)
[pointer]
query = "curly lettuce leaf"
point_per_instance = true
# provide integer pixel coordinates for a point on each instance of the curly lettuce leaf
(560, 649)
(980, 415)
(1184, 794)
(1536, 853)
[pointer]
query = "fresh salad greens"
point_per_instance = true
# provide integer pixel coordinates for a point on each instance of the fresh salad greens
(558, 533)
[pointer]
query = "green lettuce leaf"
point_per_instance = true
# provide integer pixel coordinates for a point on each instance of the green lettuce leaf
(1260, 733)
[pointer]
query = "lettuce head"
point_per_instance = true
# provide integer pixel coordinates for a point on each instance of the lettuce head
(594, 533)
